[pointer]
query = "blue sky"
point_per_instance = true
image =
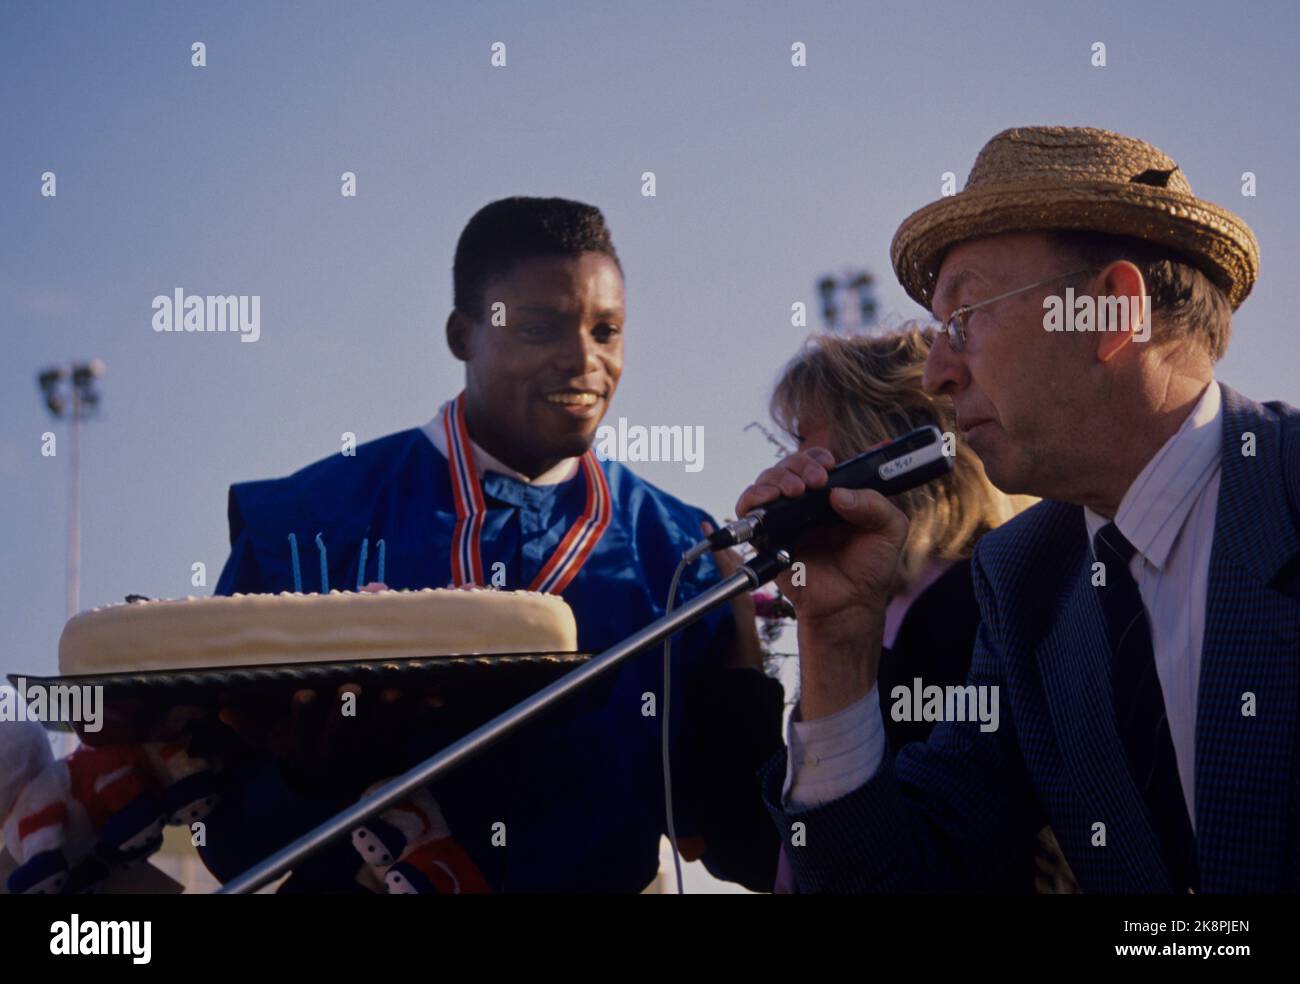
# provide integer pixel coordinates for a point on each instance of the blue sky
(225, 180)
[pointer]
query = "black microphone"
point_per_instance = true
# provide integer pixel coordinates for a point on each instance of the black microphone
(890, 468)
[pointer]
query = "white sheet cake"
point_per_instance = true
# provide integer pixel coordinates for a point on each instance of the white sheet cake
(262, 629)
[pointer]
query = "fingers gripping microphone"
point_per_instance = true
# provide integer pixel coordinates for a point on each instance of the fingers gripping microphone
(890, 468)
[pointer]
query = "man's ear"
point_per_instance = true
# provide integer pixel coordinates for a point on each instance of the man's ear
(1122, 309)
(458, 329)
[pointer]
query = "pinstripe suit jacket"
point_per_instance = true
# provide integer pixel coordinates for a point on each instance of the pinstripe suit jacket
(947, 814)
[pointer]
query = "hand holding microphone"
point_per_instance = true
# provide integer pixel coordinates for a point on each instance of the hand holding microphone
(849, 566)
(849, 563)
(805, 501)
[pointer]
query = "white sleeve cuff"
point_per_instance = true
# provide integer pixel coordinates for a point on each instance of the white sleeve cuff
(832, 756)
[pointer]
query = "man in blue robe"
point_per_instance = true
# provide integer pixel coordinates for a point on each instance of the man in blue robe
(538, 321)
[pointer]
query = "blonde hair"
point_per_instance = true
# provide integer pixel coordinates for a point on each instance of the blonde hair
(867, 389)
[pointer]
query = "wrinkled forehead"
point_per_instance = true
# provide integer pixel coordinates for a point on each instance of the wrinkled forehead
(987, 265)
(959, 273)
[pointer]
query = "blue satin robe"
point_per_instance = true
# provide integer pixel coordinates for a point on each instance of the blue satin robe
(581, 793)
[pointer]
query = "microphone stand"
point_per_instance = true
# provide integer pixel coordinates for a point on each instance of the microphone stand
(757, 571)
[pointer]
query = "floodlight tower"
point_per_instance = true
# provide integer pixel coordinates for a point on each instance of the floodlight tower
(858, 311)
(70, 393)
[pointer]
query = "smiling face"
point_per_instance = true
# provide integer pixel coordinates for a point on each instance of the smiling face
(1023, 395)
(538, 386)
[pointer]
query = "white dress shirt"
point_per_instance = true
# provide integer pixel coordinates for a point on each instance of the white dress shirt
(1168, 515)
(561, 472)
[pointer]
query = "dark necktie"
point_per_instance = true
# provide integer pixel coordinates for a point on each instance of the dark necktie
(1140, 708)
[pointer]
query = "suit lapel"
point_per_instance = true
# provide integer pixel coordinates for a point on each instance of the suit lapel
(1074, 660)
(1246, 763)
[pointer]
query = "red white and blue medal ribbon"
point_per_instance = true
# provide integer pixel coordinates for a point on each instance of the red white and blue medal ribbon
(466, 556)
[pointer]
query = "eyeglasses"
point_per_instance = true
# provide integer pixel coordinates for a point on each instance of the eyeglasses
(955, 326)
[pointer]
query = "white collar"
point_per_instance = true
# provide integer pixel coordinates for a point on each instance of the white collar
(561, 472)
(1157, 504)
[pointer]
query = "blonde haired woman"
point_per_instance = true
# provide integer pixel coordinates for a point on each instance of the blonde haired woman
(847, 394)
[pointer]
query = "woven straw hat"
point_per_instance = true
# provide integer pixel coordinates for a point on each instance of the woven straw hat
(1038, 178)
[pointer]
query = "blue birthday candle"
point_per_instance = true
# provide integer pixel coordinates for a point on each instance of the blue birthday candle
(297, 571)
(324, 567)
(361, 565)
(381, 562)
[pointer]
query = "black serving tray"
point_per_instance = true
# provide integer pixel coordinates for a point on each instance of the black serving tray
(158, 705)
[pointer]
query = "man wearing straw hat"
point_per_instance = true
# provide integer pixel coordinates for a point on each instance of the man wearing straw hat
(1141, 625)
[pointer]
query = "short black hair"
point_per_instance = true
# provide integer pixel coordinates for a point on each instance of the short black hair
(508, 231)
